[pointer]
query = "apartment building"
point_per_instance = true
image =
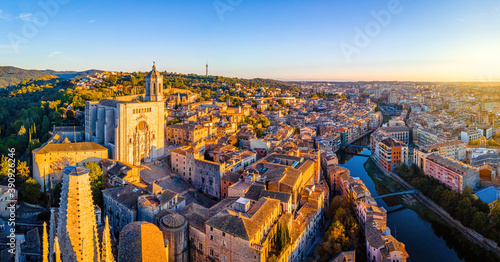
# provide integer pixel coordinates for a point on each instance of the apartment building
(455, 149)
(186, 134)
(427, 137)
(401, 133)
(454, 174)
(471, 134)
(392, 153)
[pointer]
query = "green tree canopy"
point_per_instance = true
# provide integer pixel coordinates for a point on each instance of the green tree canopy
(31, 190)
(4, 167)
(97, 179)
(265, 122)
(22, 170)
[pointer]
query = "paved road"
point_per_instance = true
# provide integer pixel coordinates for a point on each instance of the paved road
(471, 234)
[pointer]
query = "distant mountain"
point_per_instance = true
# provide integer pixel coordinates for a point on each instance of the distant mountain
(10, 75)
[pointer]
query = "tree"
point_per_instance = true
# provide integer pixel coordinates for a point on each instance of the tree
(22, 131)
(4, 167)
(22, 170)
(260, 133)
(55, 195)
(265, 122)
(495, 216)
(236, 102)
(70, 114)
(57, 118)
(282, 236)
(479, 221)
(112, 80)
(97, 179)
(465, 211)
(31, 190)
(45, 126)
(492, 142)
(474, 142)
(174, 121)
(133, 82)
(340, 215)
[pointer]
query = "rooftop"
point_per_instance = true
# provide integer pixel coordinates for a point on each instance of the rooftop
(487, 194)
(69, 147)
(448, 162)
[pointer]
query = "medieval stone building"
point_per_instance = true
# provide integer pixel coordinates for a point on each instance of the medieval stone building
(132, 130)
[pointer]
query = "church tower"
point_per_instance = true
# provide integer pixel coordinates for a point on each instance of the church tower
(77, 223)
(154, 86)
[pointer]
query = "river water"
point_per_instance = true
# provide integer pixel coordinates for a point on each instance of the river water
(425, 241)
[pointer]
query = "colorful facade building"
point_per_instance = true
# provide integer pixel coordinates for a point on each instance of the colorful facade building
(392, 153)
(454, 174)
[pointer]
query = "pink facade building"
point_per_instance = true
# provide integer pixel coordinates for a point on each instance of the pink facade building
(454, 174)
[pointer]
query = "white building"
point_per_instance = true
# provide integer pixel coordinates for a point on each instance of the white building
(469, 135)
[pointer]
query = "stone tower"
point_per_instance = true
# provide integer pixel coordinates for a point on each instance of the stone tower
(76, 229)
(207, 71)
(154, 86)
(175, 233)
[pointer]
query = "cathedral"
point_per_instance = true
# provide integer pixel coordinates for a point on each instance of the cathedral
(133, 131)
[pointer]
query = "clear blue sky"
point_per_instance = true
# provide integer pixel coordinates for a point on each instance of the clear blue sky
(284, 39)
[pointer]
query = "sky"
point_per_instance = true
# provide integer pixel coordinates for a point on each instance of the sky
(342, 40)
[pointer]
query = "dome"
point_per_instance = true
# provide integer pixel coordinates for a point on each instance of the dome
(153, 73)
(173, 220)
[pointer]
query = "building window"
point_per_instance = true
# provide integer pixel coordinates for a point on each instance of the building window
(200, 246)
(212, 237)
(211, 252)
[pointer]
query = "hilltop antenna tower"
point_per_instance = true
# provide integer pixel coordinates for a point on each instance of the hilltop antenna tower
(206, 74)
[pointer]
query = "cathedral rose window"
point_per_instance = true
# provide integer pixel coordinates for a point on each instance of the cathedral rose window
(142, 125)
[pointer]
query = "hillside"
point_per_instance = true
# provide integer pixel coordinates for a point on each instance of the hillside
(10, 75)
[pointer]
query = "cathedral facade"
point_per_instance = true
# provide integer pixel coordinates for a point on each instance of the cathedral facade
(133, 131)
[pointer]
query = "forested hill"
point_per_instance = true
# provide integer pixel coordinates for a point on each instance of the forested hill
(11, 76)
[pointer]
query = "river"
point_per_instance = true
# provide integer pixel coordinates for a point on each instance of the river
(425, 241)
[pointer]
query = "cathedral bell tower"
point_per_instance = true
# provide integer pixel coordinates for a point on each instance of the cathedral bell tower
(154, 86)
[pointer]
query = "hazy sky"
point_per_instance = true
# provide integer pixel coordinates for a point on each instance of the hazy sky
(444, 40)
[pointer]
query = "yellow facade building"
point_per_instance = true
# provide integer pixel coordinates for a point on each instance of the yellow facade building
(50, 159)
(186, 134)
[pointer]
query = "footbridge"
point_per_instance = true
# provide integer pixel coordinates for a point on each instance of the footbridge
(398, 193)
